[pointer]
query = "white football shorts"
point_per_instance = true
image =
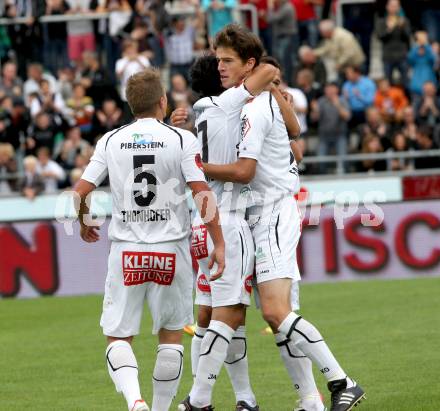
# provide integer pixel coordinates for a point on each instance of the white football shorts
(160, 274)
(235, 285)
(276, 229)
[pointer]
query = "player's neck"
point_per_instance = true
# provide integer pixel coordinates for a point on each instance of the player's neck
(158, 115)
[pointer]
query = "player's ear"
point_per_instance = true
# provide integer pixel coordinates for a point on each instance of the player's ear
(163, 103)
(251, 63)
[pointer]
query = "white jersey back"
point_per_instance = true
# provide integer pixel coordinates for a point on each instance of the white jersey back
(264, 138)
(148, 164)
(217, 125)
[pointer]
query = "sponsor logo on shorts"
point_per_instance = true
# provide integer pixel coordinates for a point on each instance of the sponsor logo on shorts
(203, 284)
(260, 255)
(199, 241)
(262, 271)
(144, 267)
(248, 284)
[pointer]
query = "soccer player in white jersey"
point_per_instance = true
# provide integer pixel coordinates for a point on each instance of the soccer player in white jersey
(264, 162)
(149, 164)
(221, 337)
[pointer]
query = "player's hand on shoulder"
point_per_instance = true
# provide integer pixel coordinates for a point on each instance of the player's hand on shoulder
(218, 258)
(89, 234)
(179, 116)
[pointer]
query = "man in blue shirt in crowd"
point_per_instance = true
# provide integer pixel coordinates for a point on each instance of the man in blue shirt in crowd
(359, 91)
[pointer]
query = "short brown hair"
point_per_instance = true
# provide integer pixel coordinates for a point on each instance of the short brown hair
(144, 90)
(272, 61)
(245, 43)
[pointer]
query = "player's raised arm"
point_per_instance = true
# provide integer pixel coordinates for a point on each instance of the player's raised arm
(260, 78)
(288, 113)
(207, 206)
(242, 171)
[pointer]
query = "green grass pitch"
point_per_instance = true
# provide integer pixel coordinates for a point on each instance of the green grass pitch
(386, 334)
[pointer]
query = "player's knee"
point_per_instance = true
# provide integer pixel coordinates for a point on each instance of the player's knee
(273, 316)
(204, 316)
(168, 363)
(236, 350)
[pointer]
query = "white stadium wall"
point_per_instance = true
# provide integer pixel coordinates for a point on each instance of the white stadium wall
(41, 258)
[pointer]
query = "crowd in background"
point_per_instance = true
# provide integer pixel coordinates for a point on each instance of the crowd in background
(62, 83)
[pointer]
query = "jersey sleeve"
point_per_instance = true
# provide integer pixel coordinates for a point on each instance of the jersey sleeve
(254, 126)
(233, 98)
(96, 171)
(191, 164)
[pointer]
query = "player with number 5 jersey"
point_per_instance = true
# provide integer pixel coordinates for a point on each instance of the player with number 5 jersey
(149, 164)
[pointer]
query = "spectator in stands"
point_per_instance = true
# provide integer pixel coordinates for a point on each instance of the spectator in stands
(108, 118)
(263, 26)
(55, 49)
(179, 47)
(66, 152)
(32, 183)
(24, 37)
(332, 113)
(409, 127)
(131, 63)
(394, 32)
(97, 79)
(80, 34)
(6, 132)
(431, 18)
(340, 47)
(390, 101)
(179, 95)
(305, 81)
(19, 117)
(308, 59)
(81, 108)
(35, 74)
(41, 133)
(422, 59)
(372, 145)
(300, 105)
(75, 176)
(8, 166)
(425, 142)
(219, 14)
(47, 101)
(359, 91)
(428, 107)
(51, 172)
(11, 85)
(66, 78)
(307, 21)
(400, 144)
(281, 16)
(375, 125)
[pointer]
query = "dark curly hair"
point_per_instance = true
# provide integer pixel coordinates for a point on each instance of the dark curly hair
(205, 77)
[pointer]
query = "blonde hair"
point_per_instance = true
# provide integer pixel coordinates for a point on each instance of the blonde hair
(30, 161)
(7, 150)
(144, 90)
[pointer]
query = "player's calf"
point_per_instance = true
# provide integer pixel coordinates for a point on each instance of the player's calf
(123, 370)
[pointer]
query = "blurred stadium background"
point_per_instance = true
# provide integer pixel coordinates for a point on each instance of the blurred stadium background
(62, 67)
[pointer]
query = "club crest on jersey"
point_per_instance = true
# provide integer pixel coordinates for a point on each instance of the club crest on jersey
(245, 126)
(203, 284)
(145, 138)
(199, 241)
(260, 254)
(143, 267)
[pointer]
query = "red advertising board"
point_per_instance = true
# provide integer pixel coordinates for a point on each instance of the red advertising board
(40, 258)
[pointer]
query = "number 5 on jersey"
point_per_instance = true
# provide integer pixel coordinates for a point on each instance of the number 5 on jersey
(139, 176)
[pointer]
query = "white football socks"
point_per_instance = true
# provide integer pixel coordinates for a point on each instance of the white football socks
(196, 342)
(236, 364)
(123, 370)
(212, 355)
(309, 340)
(299, 368)
(166, 375)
